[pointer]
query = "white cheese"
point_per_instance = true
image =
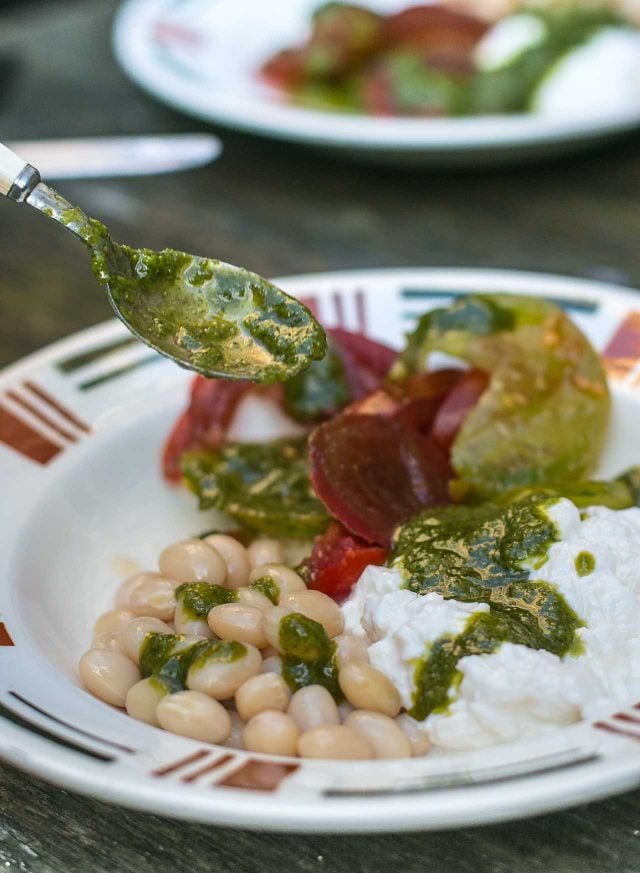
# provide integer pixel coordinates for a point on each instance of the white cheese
(517, 692)
(601, 77)
(507, 40)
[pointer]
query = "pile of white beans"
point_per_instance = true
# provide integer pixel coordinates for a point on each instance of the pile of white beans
(244, 703)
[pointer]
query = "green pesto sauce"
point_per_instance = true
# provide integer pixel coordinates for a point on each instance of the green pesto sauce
(481, 554)
(319, 391)
(167, 661)
(585, 563)
(164, 658)
(308, 655)
(221, 651)
(266, 585)
(217, 319)
(265, 487)
(198, 598)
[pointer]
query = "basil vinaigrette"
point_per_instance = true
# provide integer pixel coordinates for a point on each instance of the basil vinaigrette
(167, 658)
(482, 554)
(308, 654)
(214, 318)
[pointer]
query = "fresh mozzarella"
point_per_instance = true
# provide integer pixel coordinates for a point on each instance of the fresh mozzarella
(600, 77)
(507, 40)
(517, 692)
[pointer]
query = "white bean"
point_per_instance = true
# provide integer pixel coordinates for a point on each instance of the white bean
(419, 739)
(143, 699)
(387, 739)
(108, 675)
(220, 677)
(195, 715)
(154, 597)
(186, 623)
(344, 709)
(349, 647)
(235, 557)
(317, 606)
(253, 598)
(271, 732)
(368, 688)
(234, 740)
(312, 707)
(113, 620)
(272, 664)
(237, 621)
(264, 551)
(295, 551)
(334, 741)
(264, 691)
(284, 578)
(193, 561)
(271, 619)
(129, 585)
(111, 640)
(135, 632)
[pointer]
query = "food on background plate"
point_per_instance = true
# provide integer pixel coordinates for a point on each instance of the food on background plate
(415, 557)
(563, 58)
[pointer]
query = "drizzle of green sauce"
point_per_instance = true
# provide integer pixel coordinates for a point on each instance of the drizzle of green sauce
(319, 391)
(164, 657)
(221, 651)
(308, 654)
(585, 563)
(198, 598)
(265, 487)
(267, 585)
(482, 554)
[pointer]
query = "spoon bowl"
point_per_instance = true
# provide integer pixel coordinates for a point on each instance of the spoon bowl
(208, 316)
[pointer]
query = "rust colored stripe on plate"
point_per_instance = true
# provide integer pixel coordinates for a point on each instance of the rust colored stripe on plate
(311, 303)
(259, 776)
(24, 439)
(208, 768)
(20, 400)
(605, 726)
(627, 716)
(338, 305)
(5, 636)
(183, 762)
(361, 311)
(59, 408)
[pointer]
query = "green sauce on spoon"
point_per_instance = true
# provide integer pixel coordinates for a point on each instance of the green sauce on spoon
(208, 316)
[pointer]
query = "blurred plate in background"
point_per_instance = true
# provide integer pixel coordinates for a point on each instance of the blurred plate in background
(203, 56)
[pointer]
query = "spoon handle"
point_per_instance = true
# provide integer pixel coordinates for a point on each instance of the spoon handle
(17, 177)
(21, 182)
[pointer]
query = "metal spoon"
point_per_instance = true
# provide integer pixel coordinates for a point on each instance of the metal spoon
(208, 316)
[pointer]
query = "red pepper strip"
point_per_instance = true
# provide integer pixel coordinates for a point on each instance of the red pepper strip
(338, 559)
(205, 422)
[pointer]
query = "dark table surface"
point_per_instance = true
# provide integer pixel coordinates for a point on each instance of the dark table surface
(278, 208)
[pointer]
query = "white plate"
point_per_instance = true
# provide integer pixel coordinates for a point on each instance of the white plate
(81, 427)
(202, 57)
